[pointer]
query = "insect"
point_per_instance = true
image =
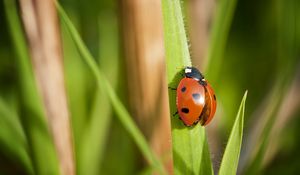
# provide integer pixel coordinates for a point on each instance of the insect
(196, 100)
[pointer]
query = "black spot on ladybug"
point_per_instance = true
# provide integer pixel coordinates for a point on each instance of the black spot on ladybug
(185, 110)
(196, 96)
(215, 97)
(183, 89)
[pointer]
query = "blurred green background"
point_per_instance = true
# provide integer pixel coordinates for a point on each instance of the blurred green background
(262, 55)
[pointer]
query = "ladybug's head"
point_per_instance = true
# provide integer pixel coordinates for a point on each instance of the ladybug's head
(192, 72)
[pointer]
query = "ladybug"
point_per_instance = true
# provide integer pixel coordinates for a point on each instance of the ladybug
(196, 100)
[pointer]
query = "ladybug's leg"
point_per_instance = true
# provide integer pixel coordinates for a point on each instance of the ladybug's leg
(175, 113)
(174, 89)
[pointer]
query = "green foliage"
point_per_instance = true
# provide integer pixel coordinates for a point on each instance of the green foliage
(231, 155)
(11, 128)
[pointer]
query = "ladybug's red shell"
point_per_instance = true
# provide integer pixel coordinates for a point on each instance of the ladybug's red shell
(196, 100)
(191, 99)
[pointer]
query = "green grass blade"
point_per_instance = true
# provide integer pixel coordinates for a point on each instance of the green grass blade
(231, 155)
(176, 46)
(41, 146)
(206, 165)
(219, 34)
(11, 127)
(190, 149)
(103, 83)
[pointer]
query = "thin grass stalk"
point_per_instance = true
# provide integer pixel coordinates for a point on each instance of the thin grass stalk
(42, 30)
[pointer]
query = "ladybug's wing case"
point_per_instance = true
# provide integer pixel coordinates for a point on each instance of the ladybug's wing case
(210, 105)
(190, 100)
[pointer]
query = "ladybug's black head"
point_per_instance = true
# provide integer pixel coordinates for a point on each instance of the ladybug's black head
(192, 72)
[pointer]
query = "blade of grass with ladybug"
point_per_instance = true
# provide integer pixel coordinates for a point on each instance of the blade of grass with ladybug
(190, 148)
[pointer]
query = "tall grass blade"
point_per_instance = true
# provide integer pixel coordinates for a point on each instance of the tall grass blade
(190, 150)
(12, 137)
(232, 152)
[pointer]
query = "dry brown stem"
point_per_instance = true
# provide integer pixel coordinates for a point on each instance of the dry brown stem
(42, 31)
(144, 53)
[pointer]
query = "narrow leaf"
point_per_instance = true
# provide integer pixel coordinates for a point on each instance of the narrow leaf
(12, 137)
(232, 152)
(206, 165)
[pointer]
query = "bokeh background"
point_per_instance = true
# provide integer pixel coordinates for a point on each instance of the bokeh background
(261, 54)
